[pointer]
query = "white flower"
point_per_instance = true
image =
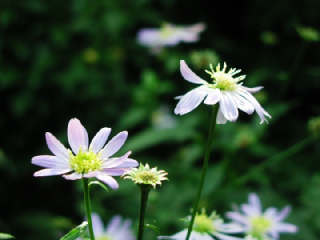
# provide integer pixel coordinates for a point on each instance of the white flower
(85, 161)
(169, 35)
(225, 89)
(262, 225)
(205, 227)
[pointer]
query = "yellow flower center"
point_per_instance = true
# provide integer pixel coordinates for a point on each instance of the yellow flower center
(260, 225)
(104, 238)
(85, 162)
(203, 224)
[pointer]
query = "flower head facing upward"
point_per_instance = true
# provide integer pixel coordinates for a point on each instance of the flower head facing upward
(145, 175)
(85, 161)
(169, 35)
(117, 229)
(225, 89)
(262, 225)
(205, 227)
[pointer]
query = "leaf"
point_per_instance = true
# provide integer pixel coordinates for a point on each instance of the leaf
(99, 183)
(76, 232)
(153, 227)
(5, 236)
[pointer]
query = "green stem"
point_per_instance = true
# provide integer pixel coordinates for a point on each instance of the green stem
(204, 168)
(88, 206)
(145, 189)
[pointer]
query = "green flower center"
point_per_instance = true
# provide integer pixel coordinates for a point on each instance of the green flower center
(166, 30)
(104, 238)
(146, 177)
(260, 225)
(203, 224)
(85, 162)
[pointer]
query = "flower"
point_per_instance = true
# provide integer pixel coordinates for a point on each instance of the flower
(225, 89)
(117, 229)
(169, 35)
(262, 225)
(85, 161)
(145, 175)
(205, 226)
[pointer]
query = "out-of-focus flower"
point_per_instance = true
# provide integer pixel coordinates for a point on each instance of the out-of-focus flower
(85, 161)
(162, 118)
(117, 229)
(201, 59)
(314, 125)
(262, 225)
(205, 227)
(309, 34)
(169, 35)
(145, 175)
(225, 89)
(269, 38)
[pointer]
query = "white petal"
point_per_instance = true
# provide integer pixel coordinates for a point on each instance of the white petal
(77, 136)
(51, 172)
(73, 176)
(283, 213)
(114, 225)
(252, 90)
(285, 227)
(114, 145)
(243, 104)
(189, 75)
(225, 237)
(115, 162)
(128, 163)
(237, 217)
(100, 139)
(191, 100)
(50, 162)
(220, 118)
(110, 181)
(213, 97)
(228, 106)
(255, 204)
(115, 171)
(230, 228)
(97, 225)
(56, 147)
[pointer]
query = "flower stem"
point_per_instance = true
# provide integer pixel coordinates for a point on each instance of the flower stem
(204, 168)
(145, 189)
(88, 206)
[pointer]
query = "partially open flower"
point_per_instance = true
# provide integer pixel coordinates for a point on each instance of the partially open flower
(145, 175)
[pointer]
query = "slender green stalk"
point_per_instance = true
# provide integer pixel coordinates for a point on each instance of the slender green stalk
(88, 206)
(204, 168)
(145, 189)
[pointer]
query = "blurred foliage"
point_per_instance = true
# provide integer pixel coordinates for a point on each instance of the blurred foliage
(65, 59)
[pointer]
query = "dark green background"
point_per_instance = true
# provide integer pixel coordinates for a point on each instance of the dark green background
(65, 59)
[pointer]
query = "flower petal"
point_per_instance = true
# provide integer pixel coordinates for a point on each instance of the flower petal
(115, 171)
(77, 136)
(128, 163)
(50, 162)
(243, 103)
(191, 100)
(252, 90)
(225, 237)
(114, 225)
(220, 118)
(238, 217)
(189, 75)
(50, 172)
(110, 181)
(285, 227)
(100, 139)
(228, 106)
(114, 145)
(115, 162)
(213, 97)
(97, 225)
(73, 176)
(56, 147)
(283, 213)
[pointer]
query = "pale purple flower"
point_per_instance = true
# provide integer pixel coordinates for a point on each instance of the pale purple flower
(85, 161)
(225, 89)
(169, 35)
(262, 225)
(117, 229)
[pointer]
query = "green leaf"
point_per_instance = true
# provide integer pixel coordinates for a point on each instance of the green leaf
(98, 183)
(5, 236)
(153, 227)
(76, 232)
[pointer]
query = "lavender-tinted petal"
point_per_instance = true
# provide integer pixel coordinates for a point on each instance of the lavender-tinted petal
(271, 212)
(115, 162)
(114, 145)
(77, 136)
(189, 75)
(110, 181)
(255, 203)
(213, 97)
(50, 162)
(220, 118)
(149, 37)
(114, 225)
(228, 106)
(97, 225)
(115, 171)
(285, 227)
(56, 147)
(128, 163)
(283, 213)
(51, 172)
(230, 228)
(237, 217)
(100, 139)
(91, 174)
(225, 237)
(73, 176)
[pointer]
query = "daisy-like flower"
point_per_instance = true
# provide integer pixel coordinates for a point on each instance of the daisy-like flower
(224, 89)
(85, 161)
(117, 229)
(262, 225)
(206, 228)
(145, 175)
(169, 35)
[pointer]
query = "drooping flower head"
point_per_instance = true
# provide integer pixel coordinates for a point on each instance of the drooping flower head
(84, 160)
(225, 89)
(117, 229)
(206, 227)
(145, 175)
(169, 35)
(262, 225)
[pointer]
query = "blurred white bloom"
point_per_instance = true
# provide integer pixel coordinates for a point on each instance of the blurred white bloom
(261, 225)
(162, 118)
(169, 35)
(224, 89)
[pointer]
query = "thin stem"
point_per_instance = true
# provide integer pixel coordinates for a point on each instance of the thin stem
(88, 206)
(204, 168)
(145, 189)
